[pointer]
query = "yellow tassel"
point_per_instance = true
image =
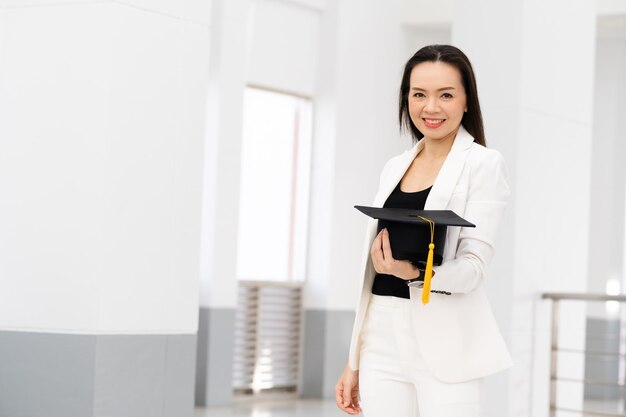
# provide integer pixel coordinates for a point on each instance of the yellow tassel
(428, 274)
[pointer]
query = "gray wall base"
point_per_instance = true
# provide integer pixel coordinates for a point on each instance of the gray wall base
(325, 351)
(214, 365)
(313, 352)
(63, 375)
(324, 354)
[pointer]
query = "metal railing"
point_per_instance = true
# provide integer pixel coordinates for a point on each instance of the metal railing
(556, 298)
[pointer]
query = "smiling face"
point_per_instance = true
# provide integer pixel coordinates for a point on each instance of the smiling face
(436, 99)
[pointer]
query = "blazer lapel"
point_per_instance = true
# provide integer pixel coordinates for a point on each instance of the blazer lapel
(450, 171)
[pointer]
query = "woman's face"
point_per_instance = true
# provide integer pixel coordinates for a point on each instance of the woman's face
(437, 99)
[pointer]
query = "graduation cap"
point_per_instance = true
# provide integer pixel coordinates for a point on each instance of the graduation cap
(418, 236)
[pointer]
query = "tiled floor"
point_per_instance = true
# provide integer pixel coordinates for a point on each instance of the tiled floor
(276, 408)
(327, 408)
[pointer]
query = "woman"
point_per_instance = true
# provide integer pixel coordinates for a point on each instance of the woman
(407, 358)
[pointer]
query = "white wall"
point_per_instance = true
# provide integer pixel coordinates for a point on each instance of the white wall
(283, 46)
(425, 13)
(222, 152)
(610, 7)
(100, 165)
(418, 36)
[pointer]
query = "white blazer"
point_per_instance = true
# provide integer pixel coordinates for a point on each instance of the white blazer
(458, 335)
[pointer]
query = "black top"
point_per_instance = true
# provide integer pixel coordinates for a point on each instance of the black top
(385, 284)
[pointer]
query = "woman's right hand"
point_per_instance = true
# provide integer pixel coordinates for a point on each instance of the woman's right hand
(347, 391)
(384, 262)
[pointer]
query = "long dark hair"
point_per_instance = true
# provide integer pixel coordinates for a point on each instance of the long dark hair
(472, 119)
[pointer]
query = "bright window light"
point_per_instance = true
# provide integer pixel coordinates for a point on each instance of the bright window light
(273, 204)
(612, 307)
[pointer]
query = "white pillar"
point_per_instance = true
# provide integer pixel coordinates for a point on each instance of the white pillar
(222, 155)
(101, 139)
(534, 68)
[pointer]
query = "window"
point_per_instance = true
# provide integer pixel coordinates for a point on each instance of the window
(271, 249)
(275, 176)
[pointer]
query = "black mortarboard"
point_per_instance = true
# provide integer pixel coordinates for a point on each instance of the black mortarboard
(411, 233)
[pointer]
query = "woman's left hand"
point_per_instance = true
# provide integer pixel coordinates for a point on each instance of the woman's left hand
(383, 260)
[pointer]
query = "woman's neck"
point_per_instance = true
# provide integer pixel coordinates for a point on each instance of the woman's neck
(438, 148)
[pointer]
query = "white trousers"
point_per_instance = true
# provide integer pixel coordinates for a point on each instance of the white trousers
(393, 378)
